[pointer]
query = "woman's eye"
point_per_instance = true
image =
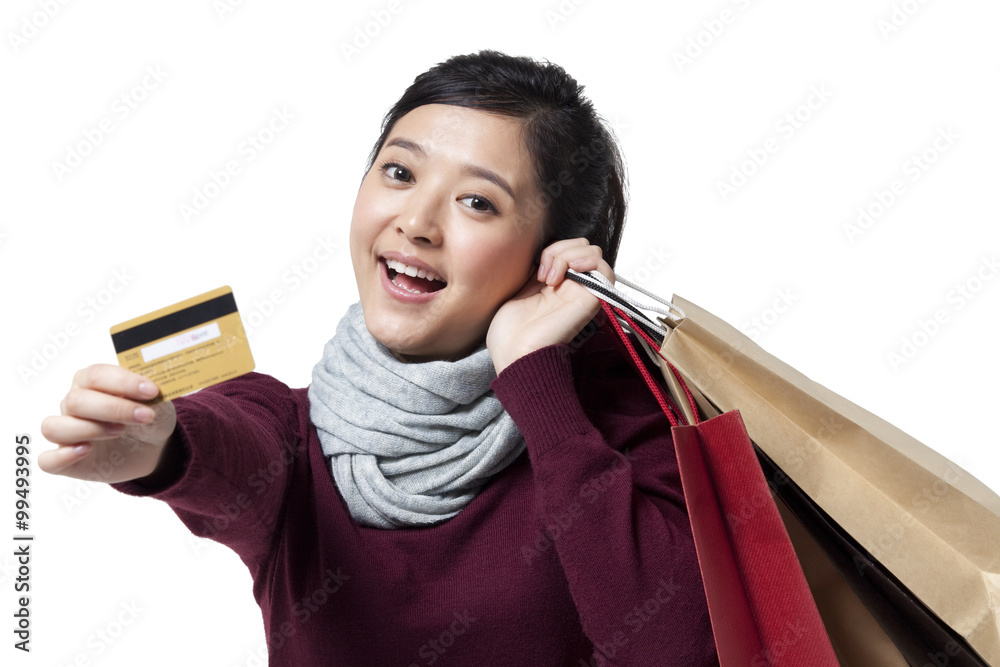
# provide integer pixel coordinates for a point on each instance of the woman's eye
(480, 203)
(396, 172)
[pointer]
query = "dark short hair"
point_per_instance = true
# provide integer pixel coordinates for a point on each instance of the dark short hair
(577, 161)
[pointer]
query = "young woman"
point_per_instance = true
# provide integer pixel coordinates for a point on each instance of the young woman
(476, 475)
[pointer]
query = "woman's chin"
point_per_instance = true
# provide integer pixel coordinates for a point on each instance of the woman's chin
(414, 339)
(403, 344)
(420, 349)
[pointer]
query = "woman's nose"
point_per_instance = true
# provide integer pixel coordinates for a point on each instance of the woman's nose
(420, 220)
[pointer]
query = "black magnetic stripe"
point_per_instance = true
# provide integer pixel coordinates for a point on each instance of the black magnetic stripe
(174, 322)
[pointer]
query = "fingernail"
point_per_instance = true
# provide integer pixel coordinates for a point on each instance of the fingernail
(143, 414)
(116, 429)
(541, 271)
(82, 449)
(551, 276)
(148, 389)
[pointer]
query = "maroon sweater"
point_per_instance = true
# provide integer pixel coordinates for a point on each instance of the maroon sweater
(579, 553)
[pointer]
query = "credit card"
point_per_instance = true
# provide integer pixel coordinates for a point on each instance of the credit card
(187, 346)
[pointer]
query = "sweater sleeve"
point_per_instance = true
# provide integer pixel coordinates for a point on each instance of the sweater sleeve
(227, 467)
(610, 502)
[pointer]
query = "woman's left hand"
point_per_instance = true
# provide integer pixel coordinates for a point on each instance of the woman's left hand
(549, 309)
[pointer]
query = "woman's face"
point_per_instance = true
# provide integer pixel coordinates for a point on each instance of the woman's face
(452, 196)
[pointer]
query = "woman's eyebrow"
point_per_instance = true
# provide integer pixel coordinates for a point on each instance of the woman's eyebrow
(408, 145)
(491, 176)
(469, 169)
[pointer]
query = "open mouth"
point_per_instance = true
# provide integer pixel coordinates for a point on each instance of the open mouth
(412, 279)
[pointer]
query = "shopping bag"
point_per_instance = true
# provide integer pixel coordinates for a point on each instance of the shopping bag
(844, 595)
(923, 535)
(871, 617)
(932, 525)
(856, 634)
(761, 609)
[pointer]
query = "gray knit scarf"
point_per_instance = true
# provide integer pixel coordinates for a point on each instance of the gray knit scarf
(409, 444)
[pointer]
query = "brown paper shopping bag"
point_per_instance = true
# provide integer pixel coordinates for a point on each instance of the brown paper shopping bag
(932, 525)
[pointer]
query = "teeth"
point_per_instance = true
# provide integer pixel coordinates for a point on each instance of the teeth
(413, 271)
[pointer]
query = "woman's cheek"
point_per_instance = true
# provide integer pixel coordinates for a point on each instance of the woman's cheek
(495, 276)
(369, 209)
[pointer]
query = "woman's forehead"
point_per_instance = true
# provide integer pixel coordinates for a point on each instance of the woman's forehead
(447, 129)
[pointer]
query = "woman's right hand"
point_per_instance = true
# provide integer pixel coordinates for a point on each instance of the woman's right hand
(105, 431)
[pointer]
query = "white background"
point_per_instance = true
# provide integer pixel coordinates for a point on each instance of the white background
(777, 243)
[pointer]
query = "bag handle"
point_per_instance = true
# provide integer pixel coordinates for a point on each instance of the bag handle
(674, 416)
(604, 289)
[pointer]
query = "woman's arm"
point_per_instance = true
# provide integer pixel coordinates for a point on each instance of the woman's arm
(610, 497)
(611, 504)
(235, 446)
(222, 465)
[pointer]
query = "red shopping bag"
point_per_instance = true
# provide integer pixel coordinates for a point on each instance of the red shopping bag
(761, 608)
